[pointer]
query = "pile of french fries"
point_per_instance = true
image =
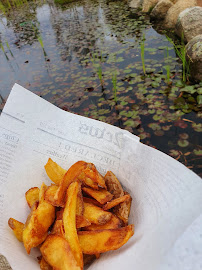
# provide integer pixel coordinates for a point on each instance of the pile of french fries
(73, 221)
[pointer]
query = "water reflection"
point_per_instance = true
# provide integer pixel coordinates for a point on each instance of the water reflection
(85, 57)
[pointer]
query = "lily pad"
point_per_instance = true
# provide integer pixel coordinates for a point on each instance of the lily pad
(183, 143)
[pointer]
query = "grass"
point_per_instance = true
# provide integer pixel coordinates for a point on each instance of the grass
(8, 4)
(181, 53)
(142, 47)
(2, 8)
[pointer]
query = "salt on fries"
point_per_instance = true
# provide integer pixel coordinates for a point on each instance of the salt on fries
(75, 219)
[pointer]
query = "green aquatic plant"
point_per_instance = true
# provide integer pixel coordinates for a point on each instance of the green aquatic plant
(167, 67)
(142, 47)
(7, 45)
(3, 50)
(97, 65)
(8, 3)
(99, 73)
(39, 38)
(114, 82)
(181, 53)
(3, 8)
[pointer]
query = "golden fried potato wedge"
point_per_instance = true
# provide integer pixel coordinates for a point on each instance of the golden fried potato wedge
(69, 221)
(92, 201)
(57, 252)
(81, 221)
(122, 211)
(116, 201)
(113, 223)
(50, 194)
(113, 185)
(70, 176)
(54, 171)
(58, 228)
(92, 173)
(32, 196)
(38, 222)
(93, 242)
(79, 203)
(88, 181)
(44, 265)
(101, 195)
(17, 228)
(95, 214)
(42, 192)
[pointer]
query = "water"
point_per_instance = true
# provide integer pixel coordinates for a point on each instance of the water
(68, 54)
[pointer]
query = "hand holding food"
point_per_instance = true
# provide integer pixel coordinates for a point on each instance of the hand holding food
(75, 219)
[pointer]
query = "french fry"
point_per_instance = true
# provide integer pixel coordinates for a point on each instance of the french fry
(50, 194)
(92, 201)
(57, 252)
(69, 221)
(88, 181)
(54, 171)
(38, 223)
(17, 228)
(79, 203)
(81, 221)
(42, 192)
(93, 242)
(58, 228)
(32, 196)
(102, 195)
(83, 228)
(95, 214)
(115, 202)
(44, 265)
(113, 185)
(113, 223)
(70, 176)
(92, 173)
(122, 211)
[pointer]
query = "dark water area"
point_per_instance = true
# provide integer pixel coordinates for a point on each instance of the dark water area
(88, 57)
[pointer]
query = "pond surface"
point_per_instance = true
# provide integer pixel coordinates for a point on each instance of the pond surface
(103, 60)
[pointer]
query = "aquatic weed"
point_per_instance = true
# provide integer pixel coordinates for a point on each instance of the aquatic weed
(114, 82)
(142, 47)
(3, 50)
(181, 52)
(167, 67)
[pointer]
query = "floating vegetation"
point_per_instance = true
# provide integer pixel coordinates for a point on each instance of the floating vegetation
(104, 62)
